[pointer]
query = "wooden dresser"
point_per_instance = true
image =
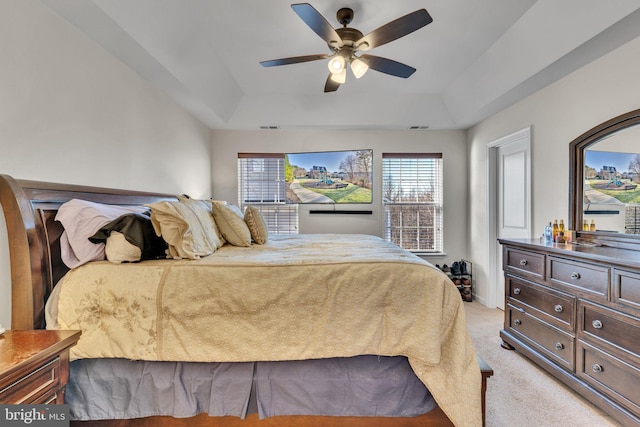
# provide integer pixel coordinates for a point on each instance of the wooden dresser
(34, 366)
(575, 311)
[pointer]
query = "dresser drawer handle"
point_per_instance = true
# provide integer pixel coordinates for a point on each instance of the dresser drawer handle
(523, 262)
(516, 291)
(558, 308)
(575, 276)
(517, 322)
(597, 324)
(559, 346)
(597, 368)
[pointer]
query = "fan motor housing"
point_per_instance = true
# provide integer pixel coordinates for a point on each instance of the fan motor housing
(349, 35)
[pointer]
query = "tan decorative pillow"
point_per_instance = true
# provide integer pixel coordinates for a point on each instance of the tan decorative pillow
(183, 225)
(257, 226)
(230, 222)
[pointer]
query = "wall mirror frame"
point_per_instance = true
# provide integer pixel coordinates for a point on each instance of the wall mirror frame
(577, 149)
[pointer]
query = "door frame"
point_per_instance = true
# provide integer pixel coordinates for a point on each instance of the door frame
(522, 136)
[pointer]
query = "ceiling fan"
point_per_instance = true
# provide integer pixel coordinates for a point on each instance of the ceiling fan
(345, 42)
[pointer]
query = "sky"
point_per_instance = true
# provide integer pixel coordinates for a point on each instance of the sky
(598, 159)
(329, 159)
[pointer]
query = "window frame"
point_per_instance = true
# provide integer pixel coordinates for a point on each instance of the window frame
(433, 231)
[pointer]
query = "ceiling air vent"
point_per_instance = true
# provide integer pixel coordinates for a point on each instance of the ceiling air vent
(418, 127)
(269, 127)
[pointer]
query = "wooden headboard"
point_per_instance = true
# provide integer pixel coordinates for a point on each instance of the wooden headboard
(29, 209)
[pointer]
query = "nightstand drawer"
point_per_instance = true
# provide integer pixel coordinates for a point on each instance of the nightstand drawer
(553, 306)
(593, 279)
(556, 344)
(613, 328)
(610, 375)
(523, 262)
(33, 387)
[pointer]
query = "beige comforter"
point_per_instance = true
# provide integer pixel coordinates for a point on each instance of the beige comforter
(297, 297)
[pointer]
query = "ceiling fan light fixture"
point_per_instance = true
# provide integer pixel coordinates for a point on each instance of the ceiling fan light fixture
(337, 64)
(339, 77)
(359, 67)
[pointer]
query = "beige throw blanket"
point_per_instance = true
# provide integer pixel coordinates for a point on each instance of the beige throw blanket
(296, 297)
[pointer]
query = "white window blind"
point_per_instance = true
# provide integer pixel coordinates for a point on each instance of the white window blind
(412, 198)
(261, 184)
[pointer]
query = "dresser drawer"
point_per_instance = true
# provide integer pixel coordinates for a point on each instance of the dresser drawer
(611, 376)
(522, 262)
(551, 305)
(554, 343)
(612, 328)
(626, 288)
(34, 387)
(588, 278)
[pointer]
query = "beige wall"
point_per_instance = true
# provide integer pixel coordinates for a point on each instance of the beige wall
(70, 112)
(227, 144)
(557, 114)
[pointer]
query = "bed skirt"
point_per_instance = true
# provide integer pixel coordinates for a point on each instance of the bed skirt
(358, 386)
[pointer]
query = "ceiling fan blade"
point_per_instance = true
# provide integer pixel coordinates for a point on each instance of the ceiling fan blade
(395, 29)
(388, 66)
(318, 23)
(293, 60)
(331, 85)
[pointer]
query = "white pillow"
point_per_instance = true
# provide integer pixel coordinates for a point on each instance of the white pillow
(81, 219)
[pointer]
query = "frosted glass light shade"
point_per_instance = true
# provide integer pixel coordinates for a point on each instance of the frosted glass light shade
(358, 67)
(339, 77)
(337, 64)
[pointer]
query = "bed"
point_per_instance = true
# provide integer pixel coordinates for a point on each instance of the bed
(428, 332)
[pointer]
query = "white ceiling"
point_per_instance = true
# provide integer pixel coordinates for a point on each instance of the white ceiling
(476, 57)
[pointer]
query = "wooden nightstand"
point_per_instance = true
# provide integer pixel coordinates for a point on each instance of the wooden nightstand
(34, 366)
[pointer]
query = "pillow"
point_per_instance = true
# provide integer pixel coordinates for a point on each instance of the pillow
(118, 249)
(258, 228)
(230, 222)
(203, 209)
(138, 231)
(186, 226)
(81, 219)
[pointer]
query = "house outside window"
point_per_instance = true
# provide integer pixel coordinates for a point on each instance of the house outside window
(261, 184)
(412, 199)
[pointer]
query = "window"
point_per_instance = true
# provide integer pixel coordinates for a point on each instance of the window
(261, 184)
(412, 198)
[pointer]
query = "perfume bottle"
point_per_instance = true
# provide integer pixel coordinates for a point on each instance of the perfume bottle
(548, 233)
(592, 226)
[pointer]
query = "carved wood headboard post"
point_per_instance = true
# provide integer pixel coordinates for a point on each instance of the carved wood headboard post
(27, 255)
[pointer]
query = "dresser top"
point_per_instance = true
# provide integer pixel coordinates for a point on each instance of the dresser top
(18, 348)
(606, 254)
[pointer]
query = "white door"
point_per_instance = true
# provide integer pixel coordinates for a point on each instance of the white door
(510, 204)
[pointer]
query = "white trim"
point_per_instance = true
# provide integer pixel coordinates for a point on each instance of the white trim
(523, 135)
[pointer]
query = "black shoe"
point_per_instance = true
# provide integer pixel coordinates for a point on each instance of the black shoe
(463, 268)
(455, 269)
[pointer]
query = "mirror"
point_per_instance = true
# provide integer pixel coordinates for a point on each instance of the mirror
(605, 182)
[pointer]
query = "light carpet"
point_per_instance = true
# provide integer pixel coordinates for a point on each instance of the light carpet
(520, 393)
